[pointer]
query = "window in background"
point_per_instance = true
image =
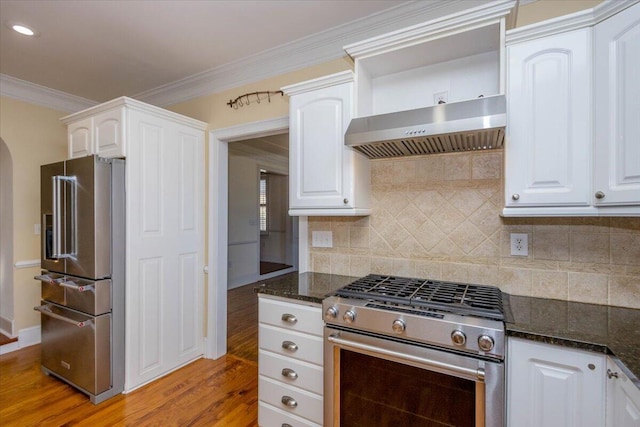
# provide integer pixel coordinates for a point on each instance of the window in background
(264, 188)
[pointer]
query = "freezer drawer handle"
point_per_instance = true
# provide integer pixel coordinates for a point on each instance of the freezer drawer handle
(79, 288)
(47, 312)
(46, 278)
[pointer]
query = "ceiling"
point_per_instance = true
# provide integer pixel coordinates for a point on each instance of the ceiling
(102, 49)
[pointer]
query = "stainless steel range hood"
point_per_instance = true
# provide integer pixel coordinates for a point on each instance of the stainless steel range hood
(477, 124)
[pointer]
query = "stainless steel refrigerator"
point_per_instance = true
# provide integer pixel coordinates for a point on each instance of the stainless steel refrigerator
(82, 282)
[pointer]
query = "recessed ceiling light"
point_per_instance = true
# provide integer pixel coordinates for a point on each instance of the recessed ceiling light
(23, 29)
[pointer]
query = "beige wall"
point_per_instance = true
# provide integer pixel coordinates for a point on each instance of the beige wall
(438, 217)
(34, 136)
(541, 10)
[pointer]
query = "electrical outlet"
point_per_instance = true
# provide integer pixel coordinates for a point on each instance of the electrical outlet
(519, 244)
(322, 239)
(440, 98)
(36, 229)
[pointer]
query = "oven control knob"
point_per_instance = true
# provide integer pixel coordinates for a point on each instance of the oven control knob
(485, 342)
(458, 337)
(398, 326)
(331, 313)
(349, 316)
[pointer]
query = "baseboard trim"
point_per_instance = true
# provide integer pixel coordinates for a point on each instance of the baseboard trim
(26, 338)
(6, 326)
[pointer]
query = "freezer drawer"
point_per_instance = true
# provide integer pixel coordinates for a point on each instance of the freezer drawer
(87, 296)
(76, 347)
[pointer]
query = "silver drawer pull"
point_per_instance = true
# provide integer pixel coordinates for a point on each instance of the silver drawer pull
(47, 312)
(289, 401)
(289, 345)
(79, 288)
(289, 373)
(286, 425)
(289, 318)
(47, 278)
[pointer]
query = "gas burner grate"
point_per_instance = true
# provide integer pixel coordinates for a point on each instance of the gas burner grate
(458, 298)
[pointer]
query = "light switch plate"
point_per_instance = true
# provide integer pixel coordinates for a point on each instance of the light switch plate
(322, 239)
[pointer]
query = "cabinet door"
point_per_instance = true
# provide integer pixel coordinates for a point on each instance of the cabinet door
(617, 109)
(554, 386)
(319, 164)
(165, 229)
(549, 121)
(109, 133)
(80, 139)
(623, 398)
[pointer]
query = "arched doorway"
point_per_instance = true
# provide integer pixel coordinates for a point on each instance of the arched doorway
(6, 240)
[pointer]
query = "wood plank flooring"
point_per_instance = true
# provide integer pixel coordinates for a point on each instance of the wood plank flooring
(221, 392)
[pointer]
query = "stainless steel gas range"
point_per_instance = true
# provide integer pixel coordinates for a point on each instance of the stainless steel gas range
(407, 351)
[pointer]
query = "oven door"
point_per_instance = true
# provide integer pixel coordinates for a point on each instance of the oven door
(371, 380)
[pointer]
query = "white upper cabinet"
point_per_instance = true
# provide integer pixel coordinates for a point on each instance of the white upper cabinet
(617, 109)
(102, 133)
(573, 133)
(548, 121)
(325, 177)
(452, 58)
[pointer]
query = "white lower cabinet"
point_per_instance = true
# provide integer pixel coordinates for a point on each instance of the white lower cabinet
(290, 363)
(554, 386)
(623, 398)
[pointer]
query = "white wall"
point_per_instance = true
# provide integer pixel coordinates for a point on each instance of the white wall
(243, 263)
(6, 240)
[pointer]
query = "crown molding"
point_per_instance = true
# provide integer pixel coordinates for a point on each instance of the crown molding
(319, 83)
(134, 104)
(306, 52)
(574, 21)
(32, 93)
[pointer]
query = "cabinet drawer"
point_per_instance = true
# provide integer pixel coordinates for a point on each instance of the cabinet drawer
(307, 405)
(269, 416)
(292, 316)
(305, 347)
(280, 368)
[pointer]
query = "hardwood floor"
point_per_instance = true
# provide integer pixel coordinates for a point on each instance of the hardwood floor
(221, 392)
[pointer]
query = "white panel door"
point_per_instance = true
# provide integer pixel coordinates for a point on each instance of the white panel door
(549, 121)
(109, 133)
(617, 109)
(80, 139)
(554, 386)
(164, 247)
(320, 168)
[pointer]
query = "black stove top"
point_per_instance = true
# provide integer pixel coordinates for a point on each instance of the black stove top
(458, 298)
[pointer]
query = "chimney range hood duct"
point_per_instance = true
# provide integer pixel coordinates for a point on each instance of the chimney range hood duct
(477, 124)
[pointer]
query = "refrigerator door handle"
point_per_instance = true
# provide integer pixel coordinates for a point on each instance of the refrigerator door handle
(44, 309)
(58, 216)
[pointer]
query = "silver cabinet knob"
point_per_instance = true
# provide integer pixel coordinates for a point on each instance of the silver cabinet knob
(485, 342)
(331, 313)
(458, 337)
(611, 374)
(289, 318)
(349, 316)
(345, 201)
(289, 401)
(516, 196)
(289, 373)
(398, 326)
(599, 195)
(289, 345)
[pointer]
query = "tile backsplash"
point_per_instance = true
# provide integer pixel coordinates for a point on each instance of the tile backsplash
(438, 217)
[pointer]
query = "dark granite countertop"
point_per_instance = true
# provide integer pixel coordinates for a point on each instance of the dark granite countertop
(610, 330)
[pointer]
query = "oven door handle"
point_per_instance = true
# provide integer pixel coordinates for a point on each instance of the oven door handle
(478, 374)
